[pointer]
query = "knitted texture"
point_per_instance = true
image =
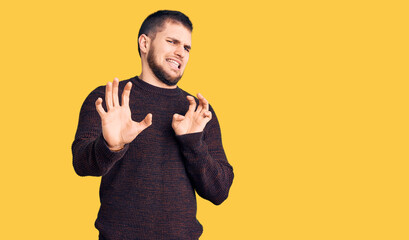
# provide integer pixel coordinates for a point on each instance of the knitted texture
(148, 188)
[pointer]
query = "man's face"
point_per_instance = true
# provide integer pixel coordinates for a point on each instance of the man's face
(169, 52)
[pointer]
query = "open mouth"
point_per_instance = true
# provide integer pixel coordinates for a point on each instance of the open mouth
(173, 63)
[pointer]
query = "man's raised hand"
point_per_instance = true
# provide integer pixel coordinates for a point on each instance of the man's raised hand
(193, 121)
(118, 128)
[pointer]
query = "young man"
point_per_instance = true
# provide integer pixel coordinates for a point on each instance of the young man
(153, 146)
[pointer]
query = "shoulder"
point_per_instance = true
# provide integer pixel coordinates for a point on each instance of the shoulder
(183, 93)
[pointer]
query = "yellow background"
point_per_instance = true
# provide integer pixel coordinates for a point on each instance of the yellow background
(312, 98)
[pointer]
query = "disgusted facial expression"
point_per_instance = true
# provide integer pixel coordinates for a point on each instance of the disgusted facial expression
(169, 52)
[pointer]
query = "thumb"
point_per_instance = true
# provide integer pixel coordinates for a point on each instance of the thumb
(146, 122)
(178, 117)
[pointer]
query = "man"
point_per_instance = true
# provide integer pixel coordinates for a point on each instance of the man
(153, 146)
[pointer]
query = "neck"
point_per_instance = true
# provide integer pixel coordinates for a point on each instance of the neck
(149, 77)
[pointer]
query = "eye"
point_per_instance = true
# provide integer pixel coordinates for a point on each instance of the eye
(170, 41)
(187, 49)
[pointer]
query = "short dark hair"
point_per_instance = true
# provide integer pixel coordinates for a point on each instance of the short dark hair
(154, 22)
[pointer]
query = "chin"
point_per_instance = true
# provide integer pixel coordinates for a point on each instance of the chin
(170, 80)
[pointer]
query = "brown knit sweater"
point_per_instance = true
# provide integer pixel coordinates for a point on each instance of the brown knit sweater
(148, 188)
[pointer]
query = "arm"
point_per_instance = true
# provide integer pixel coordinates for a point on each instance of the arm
(206, 163)
(102, 136)
(91, 154)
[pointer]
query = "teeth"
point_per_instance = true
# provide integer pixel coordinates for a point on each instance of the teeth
(174, 62)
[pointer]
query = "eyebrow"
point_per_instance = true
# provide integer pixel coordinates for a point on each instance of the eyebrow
(177, 41)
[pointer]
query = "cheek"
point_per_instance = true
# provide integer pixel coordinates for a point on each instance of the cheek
(186, 59)
(166, 49)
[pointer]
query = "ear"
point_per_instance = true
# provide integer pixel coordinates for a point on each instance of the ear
(144, 43)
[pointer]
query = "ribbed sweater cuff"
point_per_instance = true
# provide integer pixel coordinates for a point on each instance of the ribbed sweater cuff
(103, 152)
(191, 142)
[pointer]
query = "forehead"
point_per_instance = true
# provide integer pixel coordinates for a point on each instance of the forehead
(176, 31)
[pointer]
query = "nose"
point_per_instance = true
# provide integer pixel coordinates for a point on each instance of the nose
(180, 51)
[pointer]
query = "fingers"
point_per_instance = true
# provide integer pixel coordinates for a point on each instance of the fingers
(115, 99)
(203, 107)
(203, 102)
(192, 103)
(111, 94)
(208, 115)
(100, 109)
(126, 93)
(108, 95)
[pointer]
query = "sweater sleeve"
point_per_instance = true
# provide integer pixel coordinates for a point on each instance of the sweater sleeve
(90, 152)
(206, 162)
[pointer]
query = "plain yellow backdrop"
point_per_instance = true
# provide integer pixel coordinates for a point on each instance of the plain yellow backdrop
(312, 98)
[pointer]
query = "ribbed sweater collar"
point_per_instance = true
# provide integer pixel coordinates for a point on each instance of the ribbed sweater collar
(153, 89)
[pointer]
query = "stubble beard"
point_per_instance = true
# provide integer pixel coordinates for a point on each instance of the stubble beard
(160, 72)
